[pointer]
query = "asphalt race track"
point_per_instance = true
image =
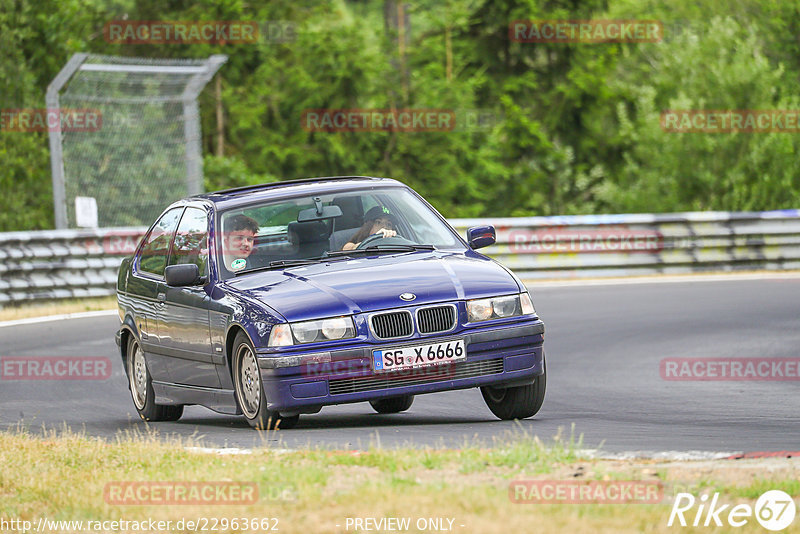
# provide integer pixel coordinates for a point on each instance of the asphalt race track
(603, 343)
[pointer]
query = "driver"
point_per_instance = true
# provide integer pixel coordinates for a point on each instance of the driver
(378, 220)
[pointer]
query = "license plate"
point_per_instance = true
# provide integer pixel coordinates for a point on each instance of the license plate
(397, 358)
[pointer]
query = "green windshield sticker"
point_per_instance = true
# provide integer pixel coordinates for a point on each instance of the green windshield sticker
(238, 264)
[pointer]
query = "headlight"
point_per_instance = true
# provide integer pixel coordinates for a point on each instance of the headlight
(479, 310)
(306, 332)
(335, 328)
(506, 306)
(310, 331)
(499, 307)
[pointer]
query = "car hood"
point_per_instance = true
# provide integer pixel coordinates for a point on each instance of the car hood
(345, 287)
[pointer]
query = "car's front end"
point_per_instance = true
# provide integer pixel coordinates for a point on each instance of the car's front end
(501, 353)
(393, 326)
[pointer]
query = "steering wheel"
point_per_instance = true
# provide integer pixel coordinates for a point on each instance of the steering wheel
(375, 238)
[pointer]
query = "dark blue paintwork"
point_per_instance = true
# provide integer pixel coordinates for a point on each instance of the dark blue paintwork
(187, 332)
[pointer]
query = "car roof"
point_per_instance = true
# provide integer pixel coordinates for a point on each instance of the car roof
(230, 198)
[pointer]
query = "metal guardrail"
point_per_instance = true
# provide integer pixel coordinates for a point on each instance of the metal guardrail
(644, 244)
(59, 264)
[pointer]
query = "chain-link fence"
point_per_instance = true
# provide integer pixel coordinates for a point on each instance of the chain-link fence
(129, 137)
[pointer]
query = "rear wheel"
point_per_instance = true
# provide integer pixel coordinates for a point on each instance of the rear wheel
(250, 391)
(517, 402)
(141, 386)
(393, 405)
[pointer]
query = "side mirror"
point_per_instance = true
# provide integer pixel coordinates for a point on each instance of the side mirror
(481, 236)
(182, 275)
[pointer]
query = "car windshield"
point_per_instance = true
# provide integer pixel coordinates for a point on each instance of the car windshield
(296, 231)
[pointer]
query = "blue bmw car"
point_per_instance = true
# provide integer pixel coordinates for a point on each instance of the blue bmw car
(275, 300)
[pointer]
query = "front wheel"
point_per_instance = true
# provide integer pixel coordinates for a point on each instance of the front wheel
(250, 391)
(517, 402)
(141, 386)
(393, 405)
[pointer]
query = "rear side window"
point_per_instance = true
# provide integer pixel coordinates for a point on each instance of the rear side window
(153, 258)
(191, 240)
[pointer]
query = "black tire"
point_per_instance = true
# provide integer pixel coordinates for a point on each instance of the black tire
(393, 405)
(250, 391)
(518, 402)
(141, 386)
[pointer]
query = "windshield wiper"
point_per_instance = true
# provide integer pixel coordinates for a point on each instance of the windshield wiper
(292, 263)
(380, 248)
(280, 263)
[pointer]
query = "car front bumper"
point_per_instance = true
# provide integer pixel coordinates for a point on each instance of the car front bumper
(496, 356)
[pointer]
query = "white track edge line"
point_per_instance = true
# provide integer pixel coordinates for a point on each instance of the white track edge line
(61, 317)
(581, 453)
(667, 279)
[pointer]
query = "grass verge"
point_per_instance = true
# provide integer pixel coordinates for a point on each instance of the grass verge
(66, 476)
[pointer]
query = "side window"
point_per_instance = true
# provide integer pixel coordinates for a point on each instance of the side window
(153, 258)
(191, 240)
(369, 202)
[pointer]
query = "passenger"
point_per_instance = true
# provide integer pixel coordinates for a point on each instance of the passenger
(378, 220)
(238, 240)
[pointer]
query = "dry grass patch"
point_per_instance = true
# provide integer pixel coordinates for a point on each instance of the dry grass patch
(43, 309)
(63, 476)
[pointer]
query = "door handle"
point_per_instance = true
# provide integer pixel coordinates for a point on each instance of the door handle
(162, 297)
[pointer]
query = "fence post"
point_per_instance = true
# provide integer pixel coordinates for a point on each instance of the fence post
(56, 154)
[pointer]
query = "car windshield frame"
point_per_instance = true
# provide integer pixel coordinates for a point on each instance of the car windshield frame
(223, 273)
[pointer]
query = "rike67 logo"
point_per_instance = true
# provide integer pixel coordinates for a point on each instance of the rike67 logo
(774, 510)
